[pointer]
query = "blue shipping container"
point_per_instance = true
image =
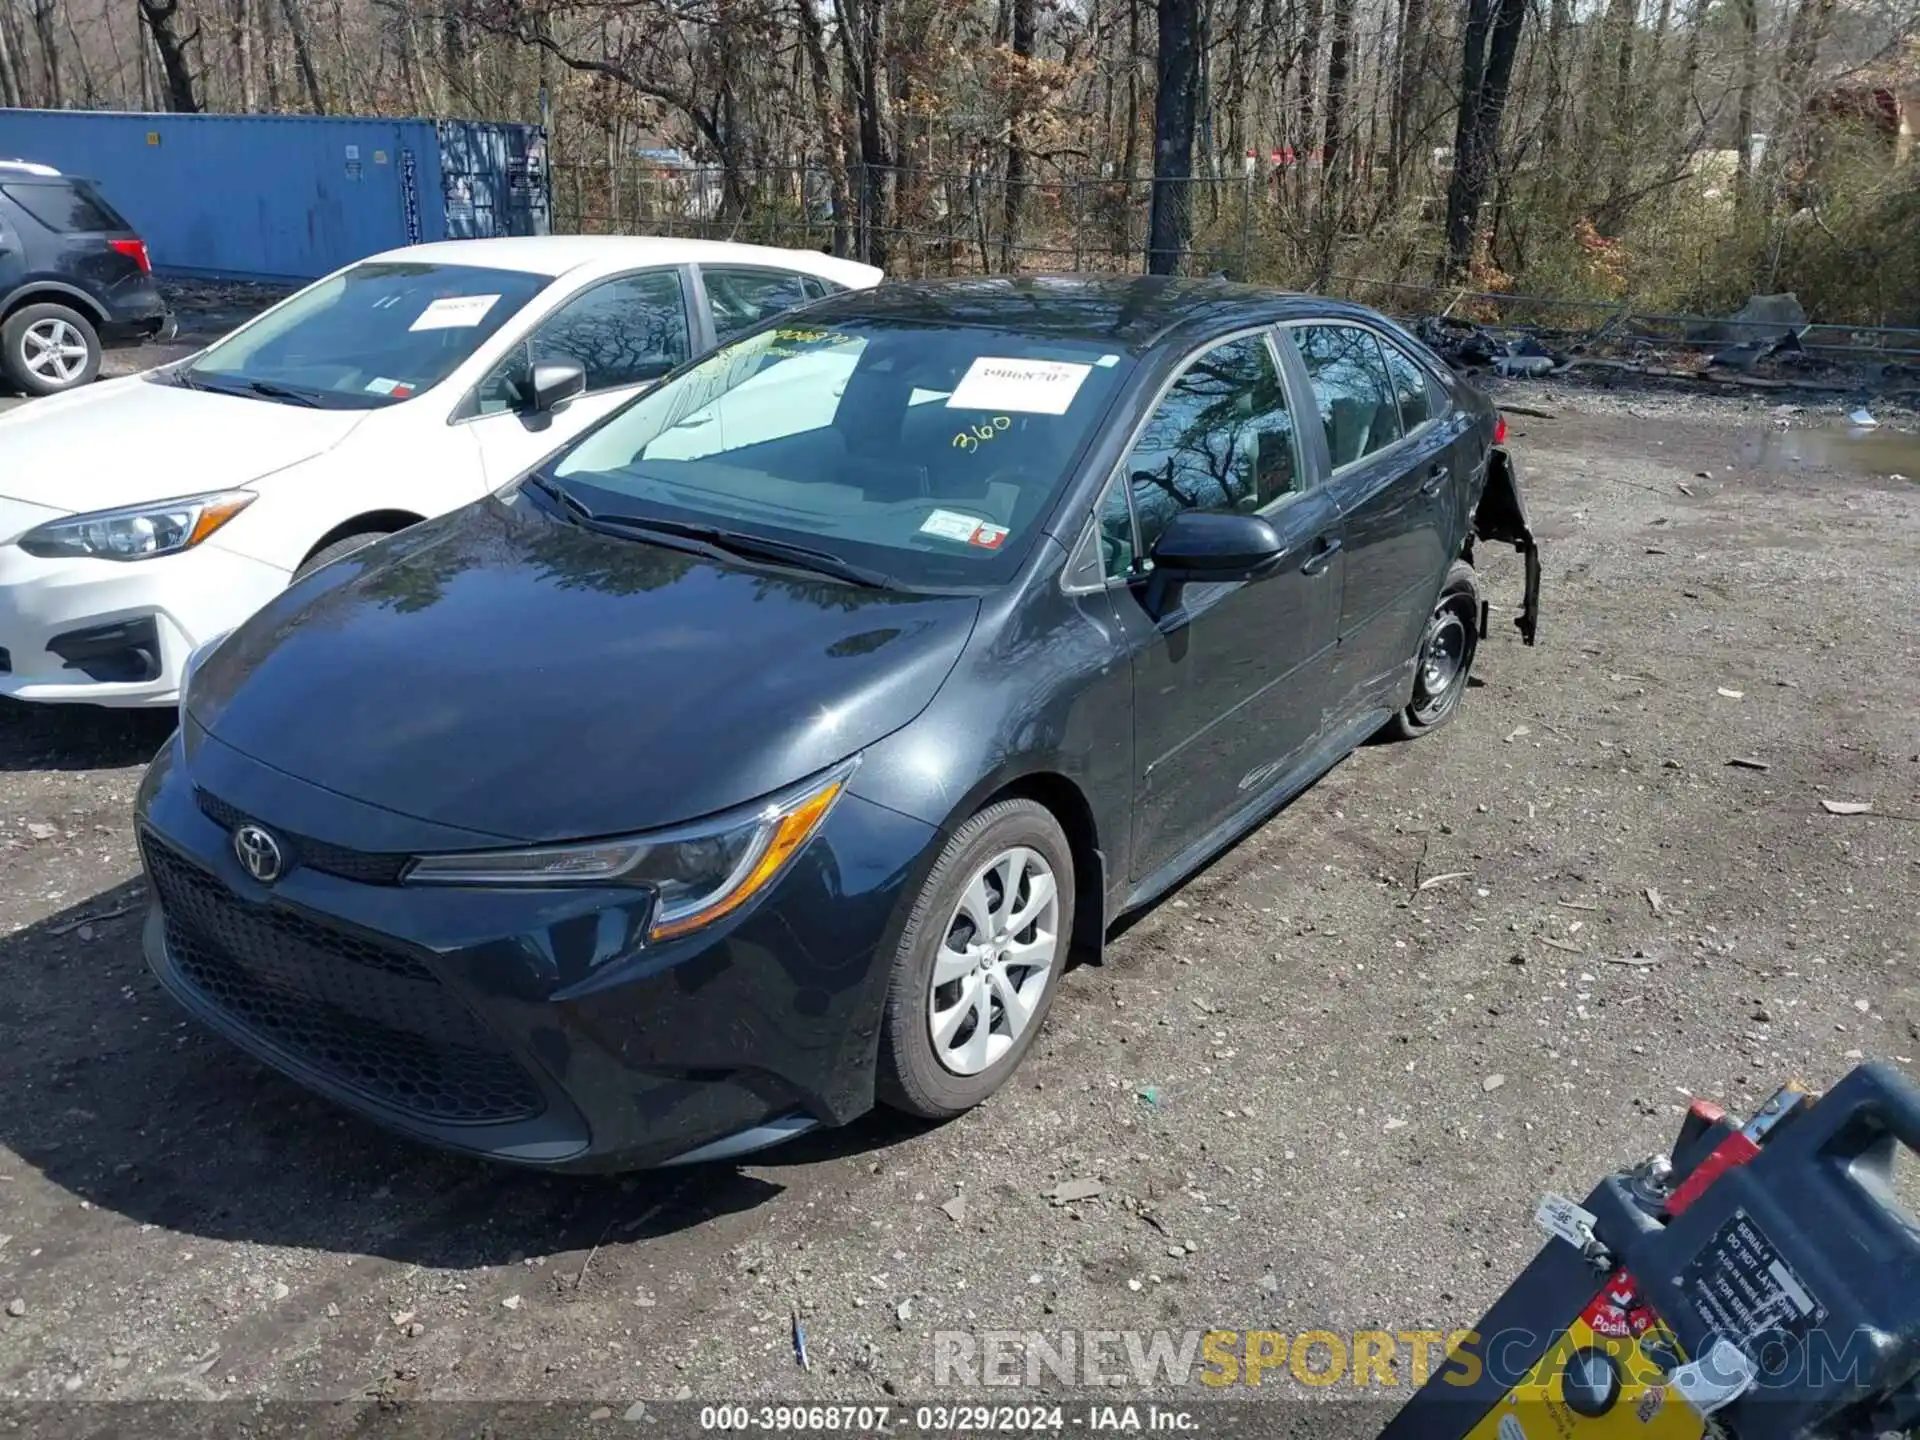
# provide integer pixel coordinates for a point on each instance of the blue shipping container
(290, 197)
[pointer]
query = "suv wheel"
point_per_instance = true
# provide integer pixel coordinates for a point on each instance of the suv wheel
(45, 349)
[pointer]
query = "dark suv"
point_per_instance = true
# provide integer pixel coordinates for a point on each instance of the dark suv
(73, 277)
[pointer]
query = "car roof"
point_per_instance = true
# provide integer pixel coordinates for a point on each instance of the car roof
(18, 169)
(1131, 312)
(557, 255)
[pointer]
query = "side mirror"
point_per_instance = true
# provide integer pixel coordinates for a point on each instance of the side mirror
(554, 383)
(1202, 545)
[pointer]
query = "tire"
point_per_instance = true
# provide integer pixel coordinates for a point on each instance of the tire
(1448, 645)
(45, 349)
(339, 549)
(939, 1078)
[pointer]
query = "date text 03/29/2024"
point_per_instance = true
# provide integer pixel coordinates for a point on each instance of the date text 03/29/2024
(946, 1419)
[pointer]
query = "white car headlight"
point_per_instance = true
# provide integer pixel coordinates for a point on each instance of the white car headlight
(136, 532)
(698, 872)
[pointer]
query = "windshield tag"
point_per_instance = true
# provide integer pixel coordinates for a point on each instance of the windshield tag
(455, 312)
(1032, 387)
(954, 525)
(384, 386)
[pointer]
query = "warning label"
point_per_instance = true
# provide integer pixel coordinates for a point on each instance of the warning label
(1741, 1287)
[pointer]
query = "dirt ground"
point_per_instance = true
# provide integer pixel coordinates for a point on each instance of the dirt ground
(1321, 1085)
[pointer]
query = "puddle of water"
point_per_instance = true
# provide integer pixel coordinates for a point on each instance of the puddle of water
(1891, 453)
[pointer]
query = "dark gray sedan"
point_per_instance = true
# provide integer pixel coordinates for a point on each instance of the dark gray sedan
(766, 751)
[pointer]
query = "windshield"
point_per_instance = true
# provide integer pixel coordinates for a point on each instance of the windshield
(373, 335)
(930, 453)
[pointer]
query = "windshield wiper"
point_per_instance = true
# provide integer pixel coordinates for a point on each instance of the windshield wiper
(265, 389)
(757, 547)
(576, 508)
(270, 391)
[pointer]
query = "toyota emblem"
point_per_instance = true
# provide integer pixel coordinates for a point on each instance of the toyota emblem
(259, 852)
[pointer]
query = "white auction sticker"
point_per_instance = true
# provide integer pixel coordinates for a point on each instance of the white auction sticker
(951, 525)
(455, 312)
(1032, 387)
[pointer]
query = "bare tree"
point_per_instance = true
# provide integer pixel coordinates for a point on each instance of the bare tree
(303, 52)
(1486, 69)
(162, 17)
(43, 18)
(12, 82)
(1170, 224)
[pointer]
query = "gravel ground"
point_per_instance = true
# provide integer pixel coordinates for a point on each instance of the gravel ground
(1319, 1087)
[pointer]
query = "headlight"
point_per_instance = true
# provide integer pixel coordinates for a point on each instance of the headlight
(136, 532)
(697, 872)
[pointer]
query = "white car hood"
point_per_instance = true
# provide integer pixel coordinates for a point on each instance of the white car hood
(122, 442)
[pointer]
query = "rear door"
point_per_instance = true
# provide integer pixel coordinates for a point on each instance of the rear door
(625, 332)
(1390, 480)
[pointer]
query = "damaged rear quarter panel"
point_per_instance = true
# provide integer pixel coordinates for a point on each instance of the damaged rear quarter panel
(1501, 515)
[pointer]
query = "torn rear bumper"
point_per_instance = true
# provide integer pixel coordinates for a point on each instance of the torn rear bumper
(1502, 516)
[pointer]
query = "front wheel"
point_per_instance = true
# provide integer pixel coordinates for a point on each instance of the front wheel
(978, 961)
(1445, 658)
(45, 349)
(346, 545)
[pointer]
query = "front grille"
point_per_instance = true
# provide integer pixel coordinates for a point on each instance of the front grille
(364, 1013)
(367, 867)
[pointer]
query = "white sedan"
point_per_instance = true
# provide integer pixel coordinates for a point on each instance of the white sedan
(141, 517)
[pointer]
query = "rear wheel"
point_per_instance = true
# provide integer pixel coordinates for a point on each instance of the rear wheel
(1447, 648)
(978, 962)
(45, 349)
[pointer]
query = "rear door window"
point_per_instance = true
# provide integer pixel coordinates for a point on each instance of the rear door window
(741, 299)
(1351, 388)
(1412, 385)
(68, 207)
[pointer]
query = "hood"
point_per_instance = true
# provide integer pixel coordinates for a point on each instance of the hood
(122, 442)
(506, 672)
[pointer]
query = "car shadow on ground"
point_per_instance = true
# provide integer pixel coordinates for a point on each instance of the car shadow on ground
(79, 737)
(120, 1099)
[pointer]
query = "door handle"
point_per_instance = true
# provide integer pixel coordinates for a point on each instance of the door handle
(1435, 479)
(1322, 556)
